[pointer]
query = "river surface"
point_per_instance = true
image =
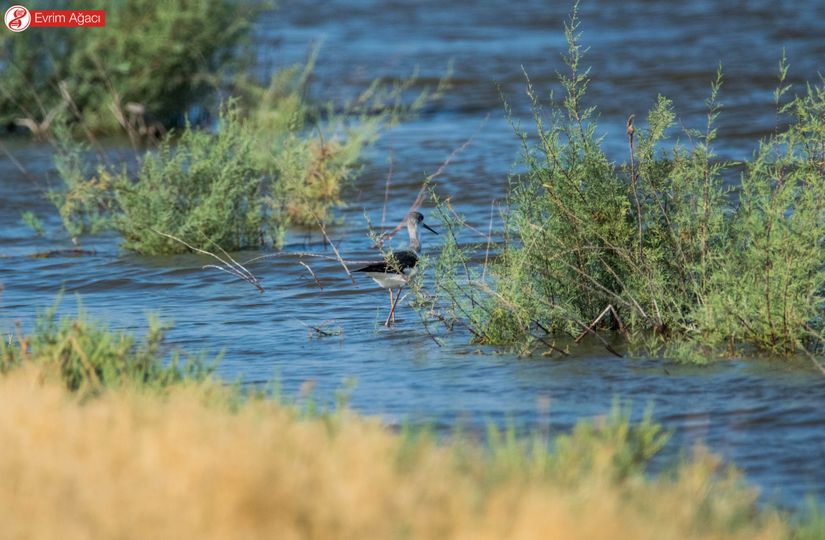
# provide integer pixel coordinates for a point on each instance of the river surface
(767, 417)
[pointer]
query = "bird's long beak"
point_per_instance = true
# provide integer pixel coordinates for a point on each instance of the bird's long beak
(429, 228)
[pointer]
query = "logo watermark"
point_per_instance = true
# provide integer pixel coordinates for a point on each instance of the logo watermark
(18, 18)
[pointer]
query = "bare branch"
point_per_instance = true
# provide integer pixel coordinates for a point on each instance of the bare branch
(305, 265)
(230, 266)
(335, 249)
(589, 329)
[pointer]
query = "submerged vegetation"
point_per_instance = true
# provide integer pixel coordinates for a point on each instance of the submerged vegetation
(670, 248)
(184, 456)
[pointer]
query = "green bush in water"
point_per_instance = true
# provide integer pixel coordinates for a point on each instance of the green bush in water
(261, 170)
(690, 265)
(206, 187)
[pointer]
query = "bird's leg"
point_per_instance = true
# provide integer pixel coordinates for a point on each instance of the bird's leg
(389, 315)
(392, 310)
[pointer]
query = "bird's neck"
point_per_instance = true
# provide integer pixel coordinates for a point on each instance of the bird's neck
(415, 241)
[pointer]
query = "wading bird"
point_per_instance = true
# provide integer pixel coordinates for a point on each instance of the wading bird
(396, 270)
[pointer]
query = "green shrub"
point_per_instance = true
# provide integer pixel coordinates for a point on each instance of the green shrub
(687, 263)
(149, 64)
(85, 200)
(205, 187)
(89, 357)
(273, 160)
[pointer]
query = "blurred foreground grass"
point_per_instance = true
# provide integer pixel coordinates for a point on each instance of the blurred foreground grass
(100, 440)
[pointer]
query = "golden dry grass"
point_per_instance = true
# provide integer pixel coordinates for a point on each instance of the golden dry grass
(130, 464)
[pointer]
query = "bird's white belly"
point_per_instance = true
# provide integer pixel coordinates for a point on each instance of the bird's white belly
(390, 280)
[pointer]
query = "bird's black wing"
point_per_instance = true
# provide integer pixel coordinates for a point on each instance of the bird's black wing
(396, 261)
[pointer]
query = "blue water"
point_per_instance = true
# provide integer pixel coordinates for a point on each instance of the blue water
(765, 416)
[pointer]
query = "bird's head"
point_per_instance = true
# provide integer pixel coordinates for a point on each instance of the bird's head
(417, 218)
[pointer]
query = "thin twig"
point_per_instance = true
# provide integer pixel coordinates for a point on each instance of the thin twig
(387, 190)
(309, 254)
(233, 263)
(600, 338)
(230, 266)
(319, 329)
(814, 360)
(550, 345)
(63, 88)
(305, 265)
(335, 250)
(634, 177)
(16, 163)
(115, 107)
(622, 327)
(592, 325)
(810, 355)
(426, 326)
(489, 241)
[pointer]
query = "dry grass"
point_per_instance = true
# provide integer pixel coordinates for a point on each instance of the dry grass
(137, 464)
